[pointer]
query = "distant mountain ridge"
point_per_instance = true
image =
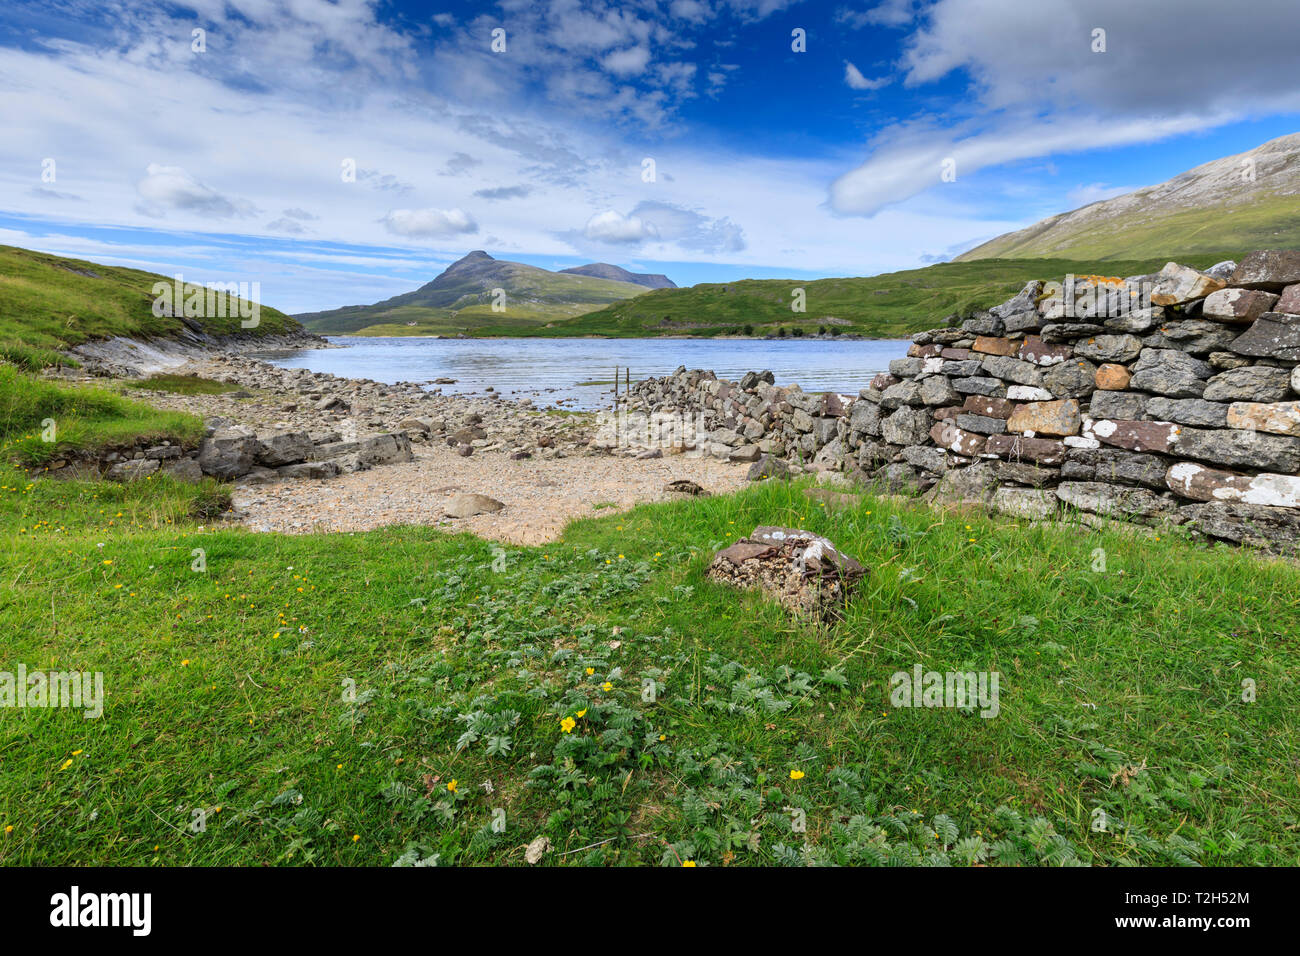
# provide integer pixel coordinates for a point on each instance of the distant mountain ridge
(603, 270)
(1242, 202)
(463, 296)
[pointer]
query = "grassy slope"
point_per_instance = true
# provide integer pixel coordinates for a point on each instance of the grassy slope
(226, 692)
(78, 420)
(885, 306)
(534, 297)
(49, 302)
(1270, 224)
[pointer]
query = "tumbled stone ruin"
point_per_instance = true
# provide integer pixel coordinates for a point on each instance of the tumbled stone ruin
(805, 572)
(1172, 397)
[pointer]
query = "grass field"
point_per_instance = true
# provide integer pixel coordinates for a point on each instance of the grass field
(407, 696)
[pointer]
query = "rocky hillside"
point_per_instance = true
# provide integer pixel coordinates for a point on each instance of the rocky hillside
(603, 270)
(461, 299)
(1230, 205)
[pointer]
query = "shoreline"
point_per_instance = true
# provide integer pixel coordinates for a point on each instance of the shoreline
(616, 338)
(543, 466)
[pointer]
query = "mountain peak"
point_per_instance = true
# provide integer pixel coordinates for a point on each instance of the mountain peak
(603, 270)
(478, 255)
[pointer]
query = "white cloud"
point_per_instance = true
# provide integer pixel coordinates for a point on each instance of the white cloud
(915, 157)
(690, 228)
(890, 13)
(1055, 95)
(854, 78)
(613, 226)
(171, 187)
(627, 62)
(422, 223)
(285, 224)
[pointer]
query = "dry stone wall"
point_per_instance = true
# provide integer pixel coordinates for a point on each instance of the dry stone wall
(1171, 397)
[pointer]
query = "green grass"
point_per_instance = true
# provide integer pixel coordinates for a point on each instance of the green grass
(34, 359)
(1271, 222)
(229, 691)
(181, 385)
(50, 302)
(41, 421)
(891, 305)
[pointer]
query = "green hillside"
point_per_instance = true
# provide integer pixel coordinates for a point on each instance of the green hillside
(461, 300)
(49, 302)
(1272, 223)
(885, 306)
(1243, 202)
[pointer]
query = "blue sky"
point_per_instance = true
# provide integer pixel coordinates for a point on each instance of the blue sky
(127, 141)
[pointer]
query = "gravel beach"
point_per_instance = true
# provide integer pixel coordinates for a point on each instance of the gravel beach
(541, 497)
(535, 462)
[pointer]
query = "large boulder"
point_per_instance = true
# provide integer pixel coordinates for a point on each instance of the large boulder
(183, 469)
(973, 484)
(228, 453)
(1188, 411)
(386, 449)
(283, 448)
(906, 426)
(1110, 348)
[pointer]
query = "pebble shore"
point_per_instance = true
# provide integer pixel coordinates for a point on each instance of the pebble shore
(536, 462)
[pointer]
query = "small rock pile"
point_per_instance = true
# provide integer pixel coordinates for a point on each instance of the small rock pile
(746, 420)
(804, 572)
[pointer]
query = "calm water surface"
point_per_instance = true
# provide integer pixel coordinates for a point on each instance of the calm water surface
(562, 371)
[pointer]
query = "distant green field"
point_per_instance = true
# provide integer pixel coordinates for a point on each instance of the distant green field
(884, 306)
(49, 302)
